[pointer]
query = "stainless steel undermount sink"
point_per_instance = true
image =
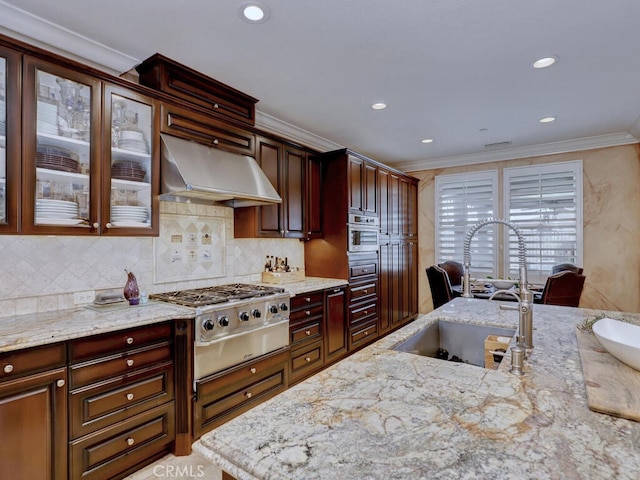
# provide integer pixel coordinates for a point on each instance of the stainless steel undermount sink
(453, 341)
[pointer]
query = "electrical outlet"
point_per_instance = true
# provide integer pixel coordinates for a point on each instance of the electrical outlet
(84, 297)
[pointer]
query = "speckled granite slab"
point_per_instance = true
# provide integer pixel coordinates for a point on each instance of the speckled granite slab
(384, 414)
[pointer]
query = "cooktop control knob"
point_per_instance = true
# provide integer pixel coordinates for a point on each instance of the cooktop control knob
(244, 316)
(273, 309)
(223, 321)
(208, 324)
(256, 313)
(284, 306)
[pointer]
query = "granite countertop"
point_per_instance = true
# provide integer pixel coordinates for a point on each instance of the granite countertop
(312, 284)
(385, 414)
(24, 331)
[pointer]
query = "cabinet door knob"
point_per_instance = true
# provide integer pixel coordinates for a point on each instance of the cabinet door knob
(215, 141)
(130, 441)
(248, 395)
(253, 370)
(366, 291)
(108, 225)
(129, 340)
(307, 313)
(60, 383)
(130, 396)
(307, 359)
(215, 105)
(366, 332)
(130, 362)
(8, 368)
(96, 225)
(307, 332)
(307, 299)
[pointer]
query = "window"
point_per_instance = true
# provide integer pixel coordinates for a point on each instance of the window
(462, 200)
(545, 202)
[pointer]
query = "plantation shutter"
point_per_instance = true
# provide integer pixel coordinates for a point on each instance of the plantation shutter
(545, 203)
(462, 200)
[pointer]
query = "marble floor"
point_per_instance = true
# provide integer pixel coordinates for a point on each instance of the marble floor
(172, 467)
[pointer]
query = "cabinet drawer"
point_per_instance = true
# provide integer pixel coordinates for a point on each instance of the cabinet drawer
(363, 313)
(356, 271)
(203, 129)
(305, 361)
(360, 336)
(304, 333)
(222, 397)
(362, 292)
(306, 300)
(112, 401)
(110, 343)
(119, 364)
(124, 447)
(306, 313)
(22, 362)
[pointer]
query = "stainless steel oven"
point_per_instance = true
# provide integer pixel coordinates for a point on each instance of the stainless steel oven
(363, 233)
(233, 324)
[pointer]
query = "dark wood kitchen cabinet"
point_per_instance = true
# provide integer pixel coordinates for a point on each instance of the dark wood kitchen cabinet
(10, 145)
(225, 395)
(335, 341)
(363, 191)
(33, 414)
(286, 167)
(306, 335)
(121, 401)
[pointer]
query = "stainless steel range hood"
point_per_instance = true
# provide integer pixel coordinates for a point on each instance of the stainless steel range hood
(194, 171)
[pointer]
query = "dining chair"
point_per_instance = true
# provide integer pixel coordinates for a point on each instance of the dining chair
(454, 270)
(440, 286)
(563, 288)
(561, 267)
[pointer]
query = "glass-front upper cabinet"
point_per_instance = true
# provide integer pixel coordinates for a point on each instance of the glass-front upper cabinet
(9, 140)
(61, 151)
(130, 165)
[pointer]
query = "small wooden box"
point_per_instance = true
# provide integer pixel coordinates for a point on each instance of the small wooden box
(283, 277)
(491, 344)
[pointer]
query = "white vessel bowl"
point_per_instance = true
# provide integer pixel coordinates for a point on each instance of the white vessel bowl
(620, 339)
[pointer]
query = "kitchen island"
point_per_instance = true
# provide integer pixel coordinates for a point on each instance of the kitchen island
(386, 414)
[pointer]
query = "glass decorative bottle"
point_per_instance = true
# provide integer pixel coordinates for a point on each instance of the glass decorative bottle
(131, 291)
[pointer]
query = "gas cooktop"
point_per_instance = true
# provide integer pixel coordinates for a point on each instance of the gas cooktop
(198, 297)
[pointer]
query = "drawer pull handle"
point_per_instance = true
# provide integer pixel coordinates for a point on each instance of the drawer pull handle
(8, 368)
(366, 312)
(366, 332)
(60, 383)
(307, 299)
(307, 332)
(366, 291)
(129, 396)
(130, 362)
(308, 359)
(364, 270)
(215, 105)
(248, 395)
(215, 142)
(129, 340)
(307, 312)
(253, 370)
(130, 441)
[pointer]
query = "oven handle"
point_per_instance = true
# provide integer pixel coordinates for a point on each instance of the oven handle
(199, 343)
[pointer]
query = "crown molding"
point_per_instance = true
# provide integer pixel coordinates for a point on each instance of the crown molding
(565, 146)
(24, 26)
(274, 125)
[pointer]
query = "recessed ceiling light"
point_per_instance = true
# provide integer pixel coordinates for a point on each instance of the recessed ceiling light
(379, 106)
(427, 140)
(544, 62)
(254, 12)
(547, 119)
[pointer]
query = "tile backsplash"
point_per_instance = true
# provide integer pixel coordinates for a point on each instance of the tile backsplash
(41, 273)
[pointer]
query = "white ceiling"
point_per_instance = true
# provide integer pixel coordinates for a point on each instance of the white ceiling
(446, 68)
